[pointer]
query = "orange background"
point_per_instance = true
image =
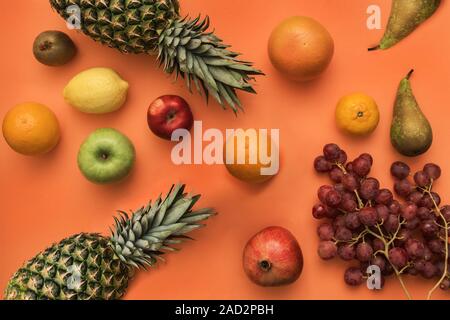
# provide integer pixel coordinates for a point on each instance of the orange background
(45, 199)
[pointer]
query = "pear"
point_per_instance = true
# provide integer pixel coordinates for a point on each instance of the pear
(411, 132)
(406, 16)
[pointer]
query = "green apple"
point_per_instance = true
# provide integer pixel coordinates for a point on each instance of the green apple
(107, 156)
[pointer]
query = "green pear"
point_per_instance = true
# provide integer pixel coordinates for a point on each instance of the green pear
(411, 132)
(406, 16)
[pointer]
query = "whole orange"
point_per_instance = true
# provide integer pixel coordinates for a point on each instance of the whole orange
(31, 129)
(357, 114)
(244, 157)
(301, 48)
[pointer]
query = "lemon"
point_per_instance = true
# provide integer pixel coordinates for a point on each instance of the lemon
(97, 91)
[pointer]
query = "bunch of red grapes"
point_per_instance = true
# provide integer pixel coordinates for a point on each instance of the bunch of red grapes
(366, 224)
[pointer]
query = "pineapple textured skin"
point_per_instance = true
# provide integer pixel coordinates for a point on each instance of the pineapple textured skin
(131, 26)
(82, 267)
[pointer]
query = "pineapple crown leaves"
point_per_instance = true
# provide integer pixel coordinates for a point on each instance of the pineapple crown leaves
(141, 239)
(198, 56)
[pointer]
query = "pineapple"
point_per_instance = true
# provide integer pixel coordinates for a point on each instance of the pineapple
(91, 266)
(184, 46)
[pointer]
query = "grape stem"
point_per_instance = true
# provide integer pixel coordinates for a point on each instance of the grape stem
(385, 252)
(386, 243)
(446, 227)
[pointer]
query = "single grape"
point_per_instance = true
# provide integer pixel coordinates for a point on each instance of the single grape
(408, 211)
(422, 179)
(429, 228)
(382, 212)
(353, 277)
(369, 189)
(343, 234)
(333, 199)
(412, 271)
(379, 261)
(339, 187)
(433, 171)
(339, 222)
(331, 152)
(347, 252)
(400, 170)
(363, 266)
(415, 248)
(403, 188)
(428, 255)
(392, 223)
(398, 257)
(327, 250)
(367, 157)
(445, 210)
(342, 157)
(350, 182)
(368, 216)
(436, 246)
(349, 205)
(402, 237)
(332, 213)
(437, 199)
(394, 207)
(348, 195)
(424, 213)
(364, 252)
(445, 285)
(413, 224)
(389, 271)
(361, 167)
(429, 271)
(325, 232)
(336, 175)
(419, 265)
(319, 211)
(385, 197)
(322, 165)
(427, 200)
(323, 192)
(378, 245)
(349, 167)
(415, 197)
(440, 267)
(352, 221)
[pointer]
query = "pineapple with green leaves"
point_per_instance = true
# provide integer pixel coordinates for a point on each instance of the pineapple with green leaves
(91, 266)
(184, 46)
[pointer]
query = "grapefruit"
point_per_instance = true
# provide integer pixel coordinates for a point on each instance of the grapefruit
(301, 48)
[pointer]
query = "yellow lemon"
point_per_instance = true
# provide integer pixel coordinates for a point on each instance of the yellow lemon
(357, 114)
(97, 91)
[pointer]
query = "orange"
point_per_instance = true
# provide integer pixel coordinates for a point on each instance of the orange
(301, 48)
(31, 129)
(247, 148)
(357, 114)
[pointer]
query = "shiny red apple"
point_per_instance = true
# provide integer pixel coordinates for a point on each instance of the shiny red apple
(167, 114)
(273, 257)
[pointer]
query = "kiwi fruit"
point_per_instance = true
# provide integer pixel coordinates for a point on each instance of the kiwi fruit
(53, 48)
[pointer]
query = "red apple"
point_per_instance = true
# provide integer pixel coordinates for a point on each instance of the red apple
(273, 257)
(167, 114)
